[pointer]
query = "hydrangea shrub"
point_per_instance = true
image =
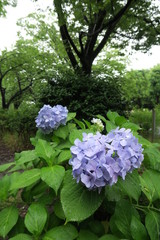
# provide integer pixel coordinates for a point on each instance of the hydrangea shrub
(82, 181)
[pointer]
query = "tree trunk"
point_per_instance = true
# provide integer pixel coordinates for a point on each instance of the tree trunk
(3, 97)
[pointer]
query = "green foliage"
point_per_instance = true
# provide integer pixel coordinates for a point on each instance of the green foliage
(40, 183)
(141, 87)
(87, 96)
(143, 117)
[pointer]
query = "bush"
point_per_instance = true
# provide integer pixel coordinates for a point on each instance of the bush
(52, 205)
(143, 117)
(87, 96)
(17, 125)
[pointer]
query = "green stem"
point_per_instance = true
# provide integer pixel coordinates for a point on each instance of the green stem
(144, 208)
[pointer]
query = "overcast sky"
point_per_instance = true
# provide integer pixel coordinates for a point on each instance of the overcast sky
(9, 29)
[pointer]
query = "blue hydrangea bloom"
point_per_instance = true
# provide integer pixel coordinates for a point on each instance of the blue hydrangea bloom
(50, 118)
(125, 148)
(98, 160)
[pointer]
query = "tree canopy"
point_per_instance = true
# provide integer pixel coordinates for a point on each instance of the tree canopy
(87, 26)
(4, 3)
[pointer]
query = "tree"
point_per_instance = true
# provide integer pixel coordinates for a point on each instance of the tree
(20, 68)
(136, 87)
(155, 83)
(87, 26)
(5, 3)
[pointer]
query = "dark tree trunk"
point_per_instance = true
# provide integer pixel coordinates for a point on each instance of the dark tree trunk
(3, 97)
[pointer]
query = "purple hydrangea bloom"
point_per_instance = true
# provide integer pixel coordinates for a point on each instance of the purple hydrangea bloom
(50, 118)
(98, 160)
(125, 147)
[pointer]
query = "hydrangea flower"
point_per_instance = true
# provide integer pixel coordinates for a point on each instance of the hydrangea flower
(125, 147)
(98, 160)
(99, 124)
(50, 118)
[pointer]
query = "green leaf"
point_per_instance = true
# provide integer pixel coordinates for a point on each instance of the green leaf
(59, 210)
(45, 150)
(25, 179)
(77, 134)
(131, 185)
(53, 176)
(64, 145)
(132, 126)
(26, 156)
(86, 235)
(62, 132)
(4, 187)
(35, 218)
(65, 232)
(150, 184)
(22, 236)
(138, 230)
(112, 116)
(108, 237)
(120, 120)
(8, 218)
(152, 222)
(110, 126)
(64, 156)
(77, 201)
(152, 157)
(4, 167)
(122, 217)
(80, 123)
(96, 227)
(102, 118)
(70, 116)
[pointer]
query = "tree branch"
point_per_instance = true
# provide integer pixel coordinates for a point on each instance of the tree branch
(11, 69)
(111, 25)
(18, 93)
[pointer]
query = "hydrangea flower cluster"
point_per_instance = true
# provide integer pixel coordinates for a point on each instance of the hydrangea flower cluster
(98, 160)
(98, 123)
(50, 118)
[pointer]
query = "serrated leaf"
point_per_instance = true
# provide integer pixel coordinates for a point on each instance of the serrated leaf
(131, 185)
(62, 132)
(120, 120)
(122, 217)
(77, 134)
(22, 236)
(25, 179)
(112, 116)
(102, 118)
(53, 176)
(77, 201)
(8, 218)
(26, 156)
(150, 184)
(110, 126)
(5, 166)
(132, 126)
(35, 218)
(152, 222)
(80, 123)
(45, 150)
(65, 232)
(64, 156)
(4, 187)
(59, 210)
(138, 230)
(70, 116)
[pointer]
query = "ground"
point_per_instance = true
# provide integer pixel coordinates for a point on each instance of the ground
(6, 155)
